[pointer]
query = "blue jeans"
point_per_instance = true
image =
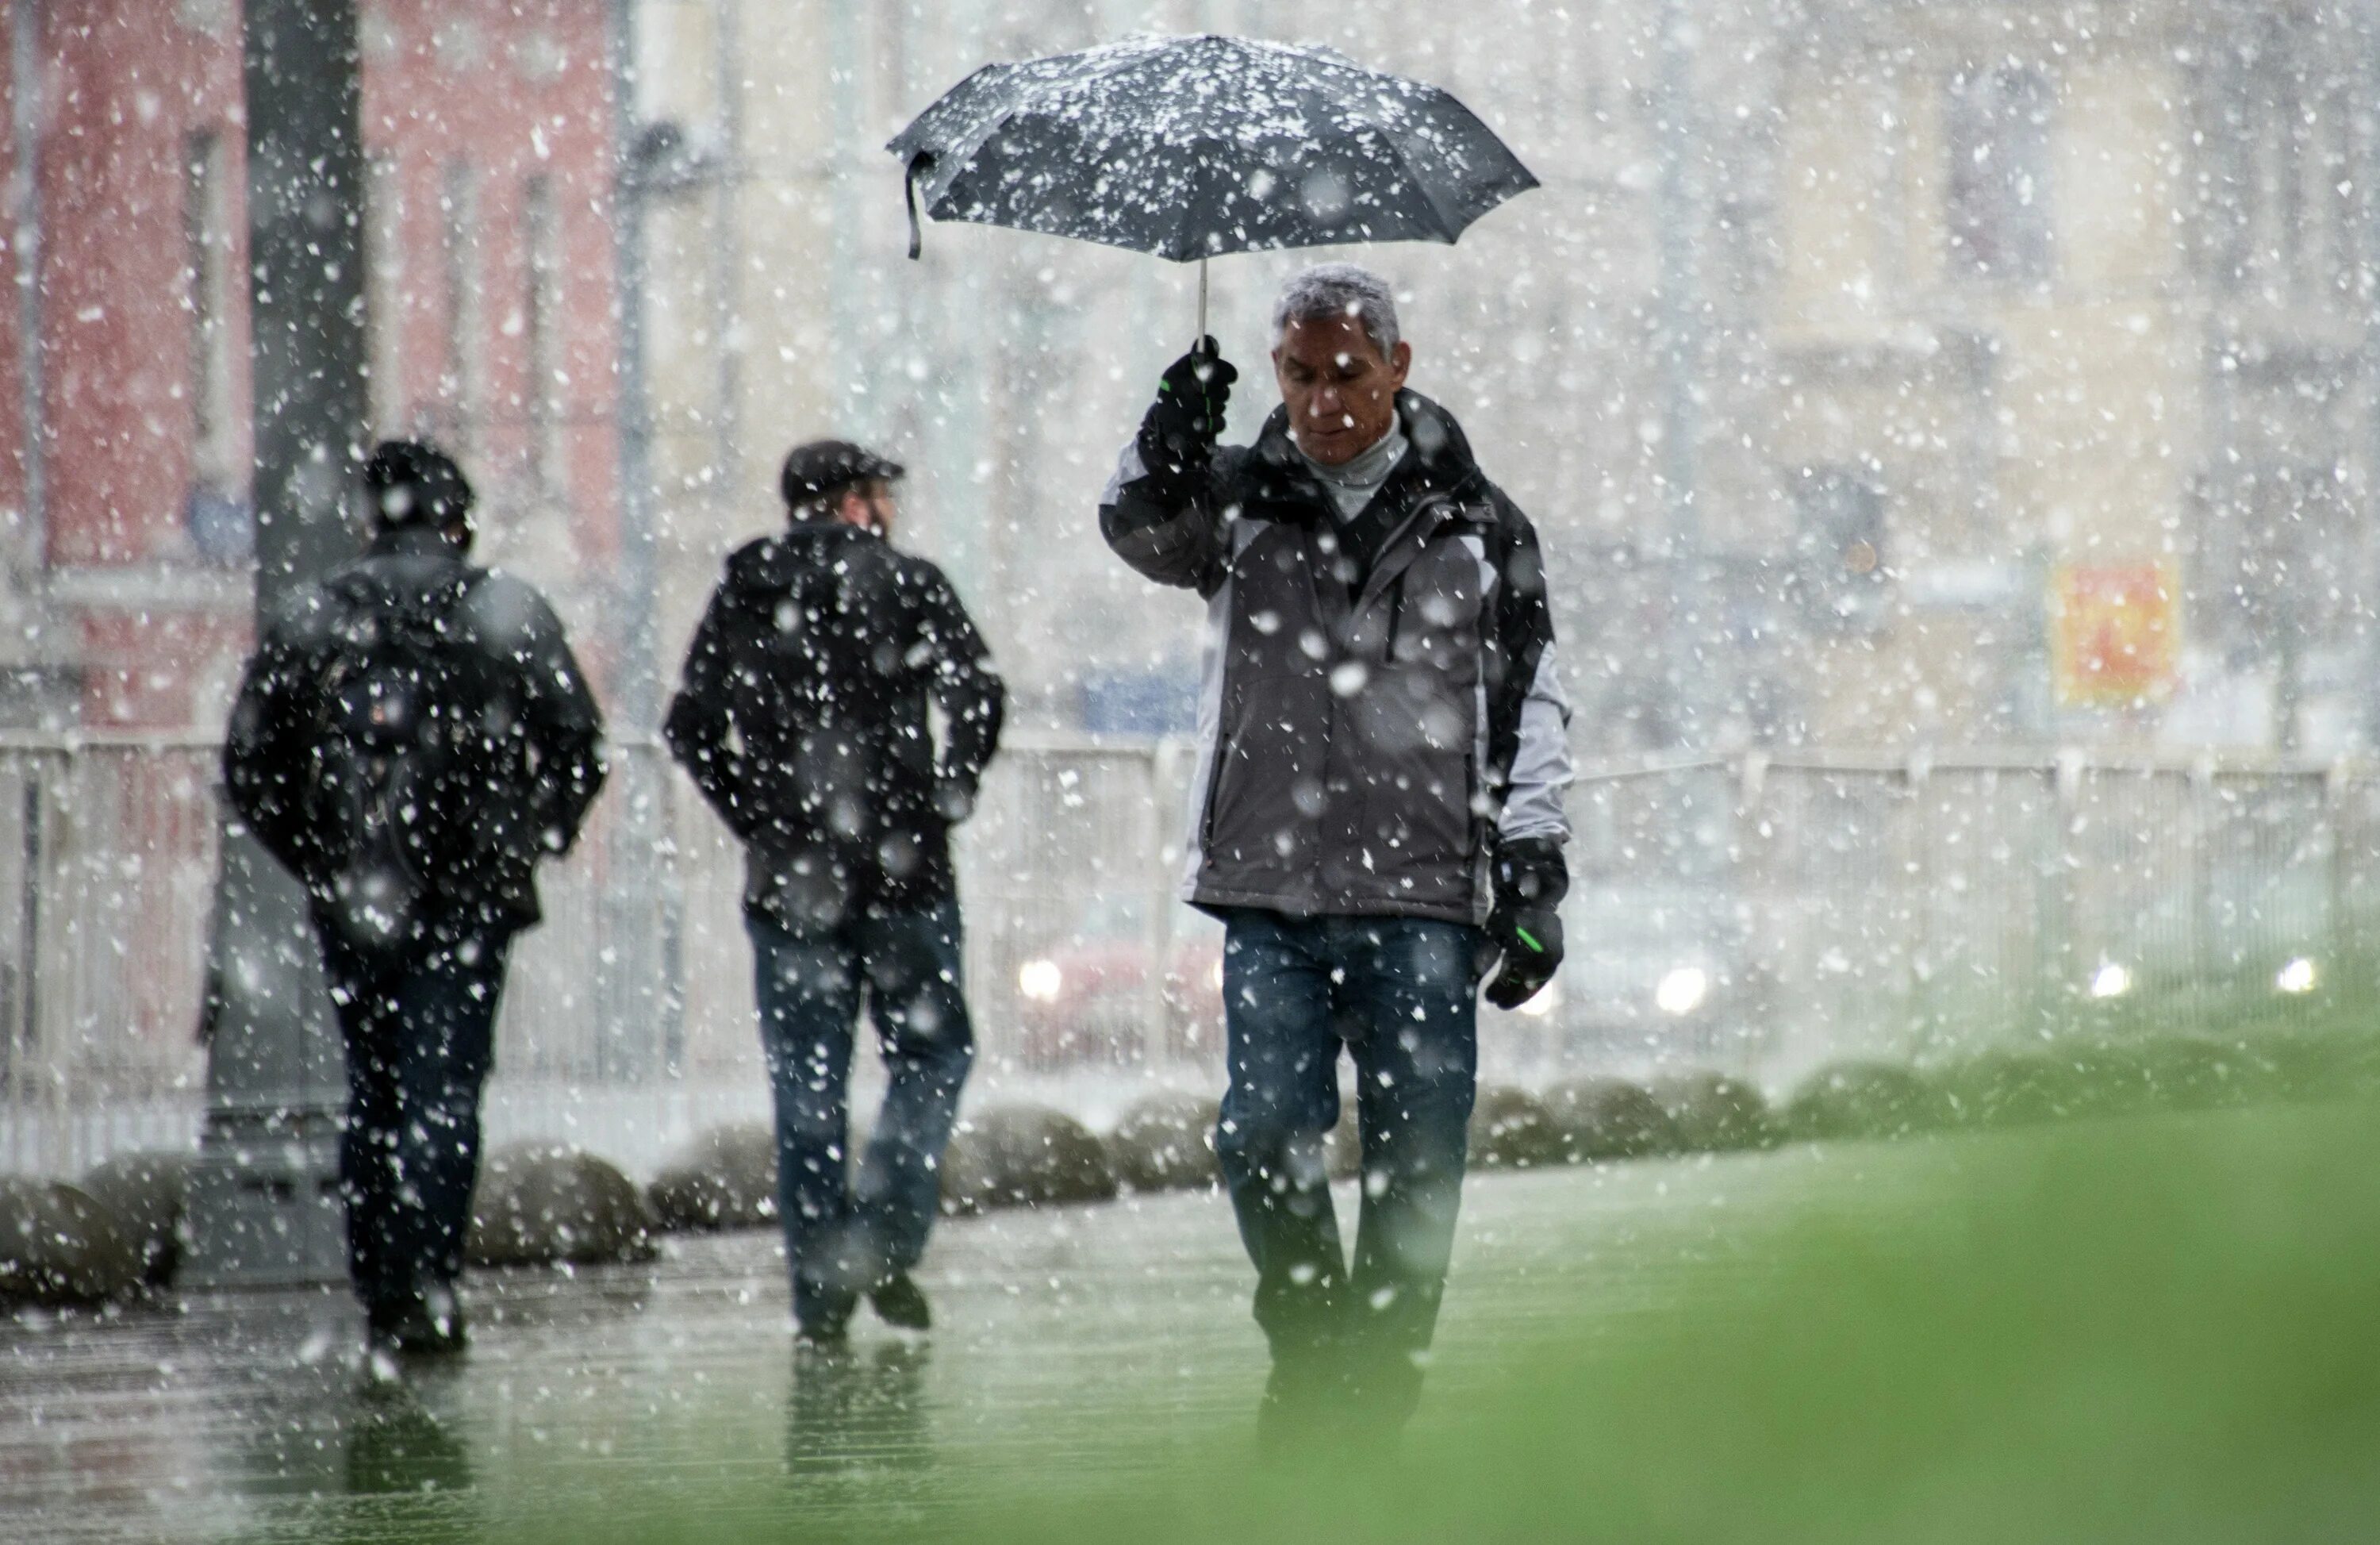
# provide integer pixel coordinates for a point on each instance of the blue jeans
(1397, 993)
(419, 1033)
(845, 1232)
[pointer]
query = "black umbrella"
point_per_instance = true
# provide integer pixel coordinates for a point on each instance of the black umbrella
(1192, 147)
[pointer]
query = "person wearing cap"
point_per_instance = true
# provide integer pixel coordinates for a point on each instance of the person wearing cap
(803, 718)
(411, 738)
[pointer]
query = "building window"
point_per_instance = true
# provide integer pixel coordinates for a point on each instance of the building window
(2278, 588)
(2278, 553)
(543, 320)
(1837, 572)
(459, 376)
(206, 269)
(1999, 183)
(214, 508)
(2280, 191)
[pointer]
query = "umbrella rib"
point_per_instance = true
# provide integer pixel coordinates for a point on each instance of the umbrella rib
(1189, 243)
(1445, 224)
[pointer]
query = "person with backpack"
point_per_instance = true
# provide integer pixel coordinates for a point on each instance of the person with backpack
(804, 720)
(412, 736)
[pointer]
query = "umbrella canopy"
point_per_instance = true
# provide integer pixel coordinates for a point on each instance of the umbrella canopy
(1191, 147)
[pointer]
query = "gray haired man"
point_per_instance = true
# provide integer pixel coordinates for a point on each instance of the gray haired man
(1378, 812)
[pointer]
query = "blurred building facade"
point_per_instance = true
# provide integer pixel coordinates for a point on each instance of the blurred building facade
(1880, 373)
(2070, 362)
(124, 451)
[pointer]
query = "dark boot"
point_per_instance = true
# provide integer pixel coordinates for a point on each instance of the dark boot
(899, 1301)
(428, 1323)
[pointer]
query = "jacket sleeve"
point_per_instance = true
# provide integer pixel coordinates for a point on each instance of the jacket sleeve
(1528, 714)
(699, 725)
(264, 743)
(566, 728)
(969, 691)
(1174, 537)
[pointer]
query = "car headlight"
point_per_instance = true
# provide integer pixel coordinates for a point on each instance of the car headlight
(2298, 975)
(1040, 981)
(2110, 980)
(1683, 991)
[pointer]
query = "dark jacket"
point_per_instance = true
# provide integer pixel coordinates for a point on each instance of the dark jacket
(521, 785)
(803, 719)
(1380, 704)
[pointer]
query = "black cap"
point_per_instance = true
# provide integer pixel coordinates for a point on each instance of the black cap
(413, 483)
(827, 466)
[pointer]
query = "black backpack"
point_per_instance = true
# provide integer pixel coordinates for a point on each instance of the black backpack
(404, 767)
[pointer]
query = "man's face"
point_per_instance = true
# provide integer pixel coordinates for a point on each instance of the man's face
(869, 507)
(1341, 393)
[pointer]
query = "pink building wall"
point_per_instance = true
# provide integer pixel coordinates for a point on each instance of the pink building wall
(515, 89)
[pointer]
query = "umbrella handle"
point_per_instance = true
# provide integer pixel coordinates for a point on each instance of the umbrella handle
(917, 163)
(1202, 304)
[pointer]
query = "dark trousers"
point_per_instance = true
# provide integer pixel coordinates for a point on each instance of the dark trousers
(844, 1231)
(1397, 994)
(420, 1030)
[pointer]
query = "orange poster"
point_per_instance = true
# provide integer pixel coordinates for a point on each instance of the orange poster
(2116, 633)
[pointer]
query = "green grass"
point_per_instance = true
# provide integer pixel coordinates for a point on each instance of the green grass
(2155, 1329)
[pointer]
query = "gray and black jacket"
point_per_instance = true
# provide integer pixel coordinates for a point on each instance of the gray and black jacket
(1379, 707)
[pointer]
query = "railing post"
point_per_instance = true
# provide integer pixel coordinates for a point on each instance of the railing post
(1158, 932)
(2337, 786)
(1917, 882)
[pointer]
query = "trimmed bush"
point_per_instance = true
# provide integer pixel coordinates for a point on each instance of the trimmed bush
(724, 1179)
(1024, 1156)
(2193, 1073)
(541, 1202)
(1865, 1099)
(2323, 1064)
(2110, 1079)
(59, 1246)
(1609, 1118)
(2015, 1088)
(1167, 1142)
(1510, 1129)
(1714, 1114)
(147, 1193)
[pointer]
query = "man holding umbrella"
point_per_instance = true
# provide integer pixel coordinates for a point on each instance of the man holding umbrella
(1378, 812)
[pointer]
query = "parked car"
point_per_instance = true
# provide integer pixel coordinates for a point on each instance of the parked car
(1113, 990)
(1656, 971)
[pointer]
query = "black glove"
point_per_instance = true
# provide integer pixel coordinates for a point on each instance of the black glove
(1523, 931)
(1178, 434)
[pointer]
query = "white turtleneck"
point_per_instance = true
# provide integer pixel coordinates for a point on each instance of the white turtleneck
(1353, 483)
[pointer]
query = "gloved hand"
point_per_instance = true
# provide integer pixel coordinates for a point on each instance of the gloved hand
(1524, 930)
(1178, 431)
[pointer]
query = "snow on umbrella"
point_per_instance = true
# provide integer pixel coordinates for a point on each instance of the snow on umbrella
(1192, 147)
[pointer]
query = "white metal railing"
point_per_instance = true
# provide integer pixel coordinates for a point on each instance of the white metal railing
(1758, 912)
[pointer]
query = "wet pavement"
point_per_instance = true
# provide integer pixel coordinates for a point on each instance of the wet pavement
(675, 1389)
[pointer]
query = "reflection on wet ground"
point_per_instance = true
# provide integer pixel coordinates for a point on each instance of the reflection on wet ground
(253, 1416)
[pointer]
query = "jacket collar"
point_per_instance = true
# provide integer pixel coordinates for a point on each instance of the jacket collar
(773, 563)
(413, 541)
(1438, 462)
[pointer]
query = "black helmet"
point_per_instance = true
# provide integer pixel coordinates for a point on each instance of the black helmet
(824, 467)
(414, 483)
